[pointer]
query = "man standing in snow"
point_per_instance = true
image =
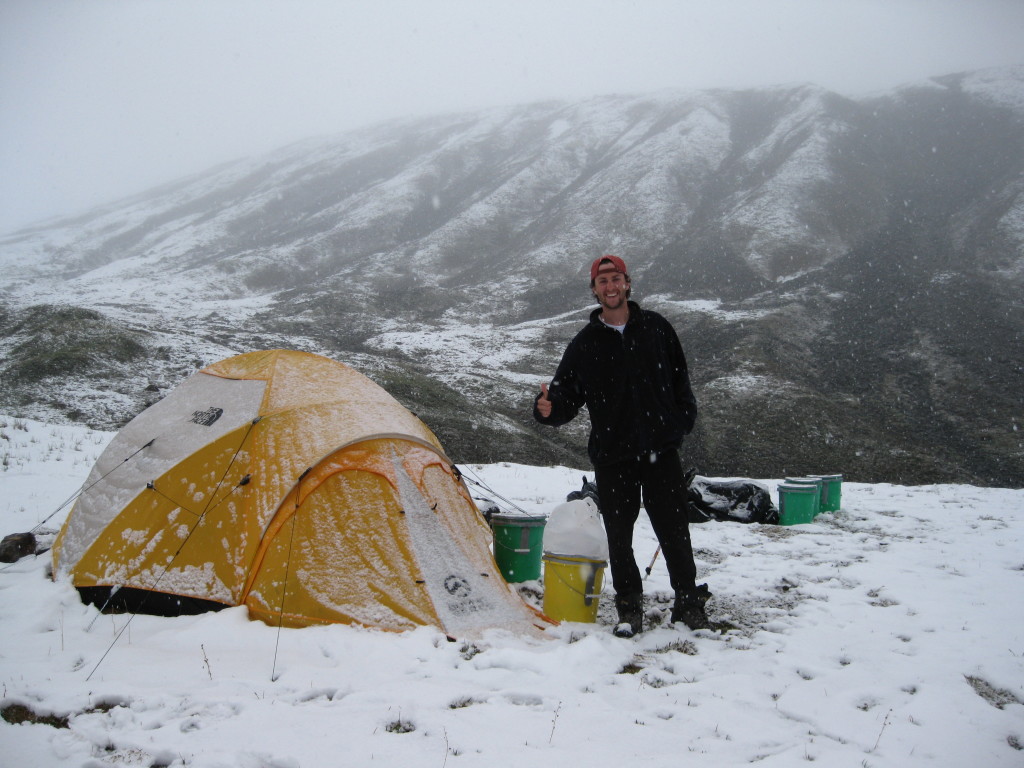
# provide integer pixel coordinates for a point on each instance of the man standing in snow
(627, 366)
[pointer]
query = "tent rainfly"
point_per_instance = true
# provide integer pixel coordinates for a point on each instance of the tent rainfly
(293, 485)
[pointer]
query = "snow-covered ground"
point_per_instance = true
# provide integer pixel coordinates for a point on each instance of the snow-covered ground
(890, 633)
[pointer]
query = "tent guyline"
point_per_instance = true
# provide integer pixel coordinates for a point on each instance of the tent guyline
(287, 568)
(507, 502)
(85, 487)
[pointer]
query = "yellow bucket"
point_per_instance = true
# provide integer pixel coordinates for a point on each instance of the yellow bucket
(572, 587)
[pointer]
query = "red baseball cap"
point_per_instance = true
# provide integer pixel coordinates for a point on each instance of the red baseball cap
(616, 263)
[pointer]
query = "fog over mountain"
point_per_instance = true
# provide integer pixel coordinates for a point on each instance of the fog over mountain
(846, 275)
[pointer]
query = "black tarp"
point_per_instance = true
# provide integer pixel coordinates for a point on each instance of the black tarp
(737, 501)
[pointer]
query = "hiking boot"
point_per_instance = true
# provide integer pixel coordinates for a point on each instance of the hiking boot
(689, 608)
(631, 615)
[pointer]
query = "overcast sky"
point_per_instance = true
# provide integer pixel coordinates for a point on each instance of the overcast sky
(104, 98)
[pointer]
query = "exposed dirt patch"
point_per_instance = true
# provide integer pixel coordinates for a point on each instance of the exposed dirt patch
(19, 713)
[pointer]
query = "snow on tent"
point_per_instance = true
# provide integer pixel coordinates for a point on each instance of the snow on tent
(293, 485)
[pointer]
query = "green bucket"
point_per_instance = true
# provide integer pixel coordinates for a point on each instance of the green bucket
(813, 481)
(831, 492)
(518, 546)
(798, 504)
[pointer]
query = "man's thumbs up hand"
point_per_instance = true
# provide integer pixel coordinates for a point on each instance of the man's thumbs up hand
(543, 402)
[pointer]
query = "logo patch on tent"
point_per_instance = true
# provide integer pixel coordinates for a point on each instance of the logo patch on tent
(207, 417)
(457, 586)
(462, 604)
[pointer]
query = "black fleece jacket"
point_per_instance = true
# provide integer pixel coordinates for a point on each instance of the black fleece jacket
(635, 385)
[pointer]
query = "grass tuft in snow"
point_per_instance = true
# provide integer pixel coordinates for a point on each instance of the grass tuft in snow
(997, 697)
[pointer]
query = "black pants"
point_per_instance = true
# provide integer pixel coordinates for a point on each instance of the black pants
(661, 481)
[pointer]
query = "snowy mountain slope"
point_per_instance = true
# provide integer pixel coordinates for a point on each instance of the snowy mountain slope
(864, 260)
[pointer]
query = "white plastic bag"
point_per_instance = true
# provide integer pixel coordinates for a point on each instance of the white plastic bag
(575, 529)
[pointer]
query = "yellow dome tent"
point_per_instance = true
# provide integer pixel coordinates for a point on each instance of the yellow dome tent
(293, 485)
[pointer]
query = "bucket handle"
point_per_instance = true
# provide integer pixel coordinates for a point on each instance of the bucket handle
(588, 595)
(524, 543)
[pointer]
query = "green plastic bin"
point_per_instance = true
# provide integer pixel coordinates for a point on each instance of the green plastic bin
(831, 492)
(798, 504)
(813, 481)
(518, 545)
